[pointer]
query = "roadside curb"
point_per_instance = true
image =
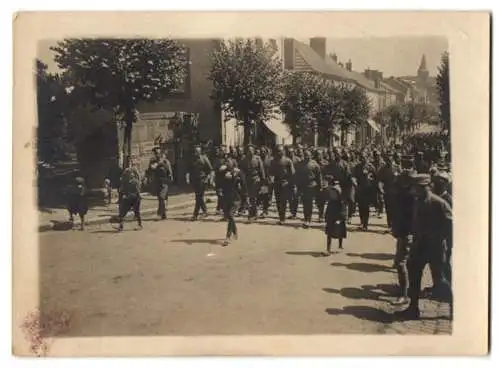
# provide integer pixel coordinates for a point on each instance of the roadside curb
(106, 219)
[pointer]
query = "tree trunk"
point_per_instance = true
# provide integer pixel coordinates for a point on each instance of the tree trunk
(127, 136)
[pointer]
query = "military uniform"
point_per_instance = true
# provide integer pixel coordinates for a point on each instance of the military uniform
(309, 181)
(266, 191)
(364, 174)
(162, 175)
(378, 197)
(221, 163)
(283, 174)
(320, 198)
(233, 189)
(130, 195)
(253, 170)
(199, 176)
(386, 177)
(295, 193)
(402, 211)
(431, 220)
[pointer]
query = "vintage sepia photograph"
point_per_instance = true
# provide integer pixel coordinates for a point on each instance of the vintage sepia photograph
(243, 185)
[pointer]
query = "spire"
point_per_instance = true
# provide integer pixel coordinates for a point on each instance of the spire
(423, 64)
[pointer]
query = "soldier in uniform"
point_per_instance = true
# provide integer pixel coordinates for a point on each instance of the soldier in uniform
(199, 175)
(320, 197)
(378, 196)
(386, 177)
(309, 181)
(130, 191)
(431, 221)
(402, 211)
(350, 189)
(282, 175)
(421, 166)
(294, 194)
(440, 187)
(364, 181)
(254, 173)
(222, 160)
(233, 187)
(266, 190)
(160, 170)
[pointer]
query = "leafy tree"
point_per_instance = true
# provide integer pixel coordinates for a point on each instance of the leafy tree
(247, 80)
(355, 106)
(443, 86)
(300, 89)
(53, 108)
(118, 74)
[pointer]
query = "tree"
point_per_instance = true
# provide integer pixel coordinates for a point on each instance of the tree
(355, 106)
(53, 108)
(118, 74)
(443, 86)
(247, 81)
(327, 108)
(299, 93)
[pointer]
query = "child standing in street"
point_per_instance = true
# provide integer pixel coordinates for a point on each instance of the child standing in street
(77, 201)
(335, 216)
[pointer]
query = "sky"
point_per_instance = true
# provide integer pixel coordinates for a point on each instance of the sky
(394, 56)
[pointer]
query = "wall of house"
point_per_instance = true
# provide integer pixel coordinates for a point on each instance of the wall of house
(196, 97)
(374, 99)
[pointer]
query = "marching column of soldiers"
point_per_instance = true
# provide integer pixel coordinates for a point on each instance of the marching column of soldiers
(413, 188)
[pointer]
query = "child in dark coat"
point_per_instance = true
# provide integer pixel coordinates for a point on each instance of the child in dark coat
(335, 216)
(77, 201)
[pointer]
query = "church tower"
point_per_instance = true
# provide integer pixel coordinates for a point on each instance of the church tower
(423, 73)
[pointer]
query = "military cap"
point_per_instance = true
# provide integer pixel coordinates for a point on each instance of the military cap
(444, 176)
(80, 180)
(422, 179)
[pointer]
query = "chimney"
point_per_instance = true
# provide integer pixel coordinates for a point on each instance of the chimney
(289, 53)
(334, 57)
(318, 44)
(259, 42)
(348, 65)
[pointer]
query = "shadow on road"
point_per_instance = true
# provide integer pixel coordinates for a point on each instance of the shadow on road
(239, 221)
(369, 230)
(364, 267)
(306, 253)
(355, 293)
(373, 256)
(198, 241)
(362, 312)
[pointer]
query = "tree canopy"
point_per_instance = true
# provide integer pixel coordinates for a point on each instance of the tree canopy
(247, 81)
(443, 86)
(53, 108)
(118, 74)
